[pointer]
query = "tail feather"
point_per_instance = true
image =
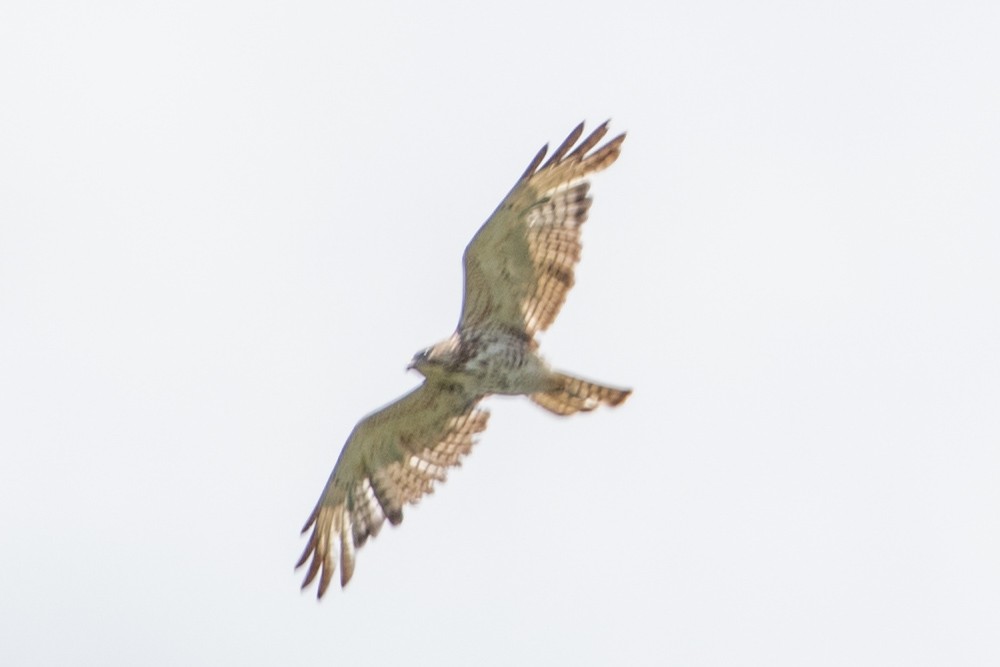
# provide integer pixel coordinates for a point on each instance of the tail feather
(573, 395)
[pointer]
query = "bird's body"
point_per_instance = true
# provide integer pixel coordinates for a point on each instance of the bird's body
(486, 362)
(518, 269)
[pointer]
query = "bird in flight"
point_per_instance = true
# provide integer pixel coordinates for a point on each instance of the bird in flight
(518, 269)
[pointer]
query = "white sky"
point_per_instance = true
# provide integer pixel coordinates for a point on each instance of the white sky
(225, 227)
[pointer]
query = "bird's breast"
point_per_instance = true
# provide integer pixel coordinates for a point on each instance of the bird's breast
(503, 364)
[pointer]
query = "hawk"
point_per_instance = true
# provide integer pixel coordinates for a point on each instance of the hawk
(518, 269)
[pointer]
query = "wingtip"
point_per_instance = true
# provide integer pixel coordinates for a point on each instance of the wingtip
(324, 580)
(604, 127)
(620, 137)
(537, 160)
(564, 148)
(346, 572)
(310, 548)
(310, 521)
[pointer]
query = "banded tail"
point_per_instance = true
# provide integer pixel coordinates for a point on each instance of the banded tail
(573, 395)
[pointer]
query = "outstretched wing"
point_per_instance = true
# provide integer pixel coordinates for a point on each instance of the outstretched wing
(393, 457)
(519, 266)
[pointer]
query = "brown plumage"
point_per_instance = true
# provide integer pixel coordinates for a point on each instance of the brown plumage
(518, 269)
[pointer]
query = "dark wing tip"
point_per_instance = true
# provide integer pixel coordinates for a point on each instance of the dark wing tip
(565, 146)
(592, 140)
(346, 570)
(537, 160)
(311, 572)
(568, 150)
(579, 153)
(324, 580)
(605, 155)
(309, 523)
(310, 546)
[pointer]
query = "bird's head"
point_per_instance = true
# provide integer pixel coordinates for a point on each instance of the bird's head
(420, 360)
(432, 360)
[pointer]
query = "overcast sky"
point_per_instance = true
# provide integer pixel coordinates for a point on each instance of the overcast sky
(225, 227)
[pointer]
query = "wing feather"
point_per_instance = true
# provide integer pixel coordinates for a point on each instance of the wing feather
(520, 264)
(563, 147)
(392, 458)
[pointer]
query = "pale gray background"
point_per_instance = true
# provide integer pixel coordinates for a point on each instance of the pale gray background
(226, 226)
